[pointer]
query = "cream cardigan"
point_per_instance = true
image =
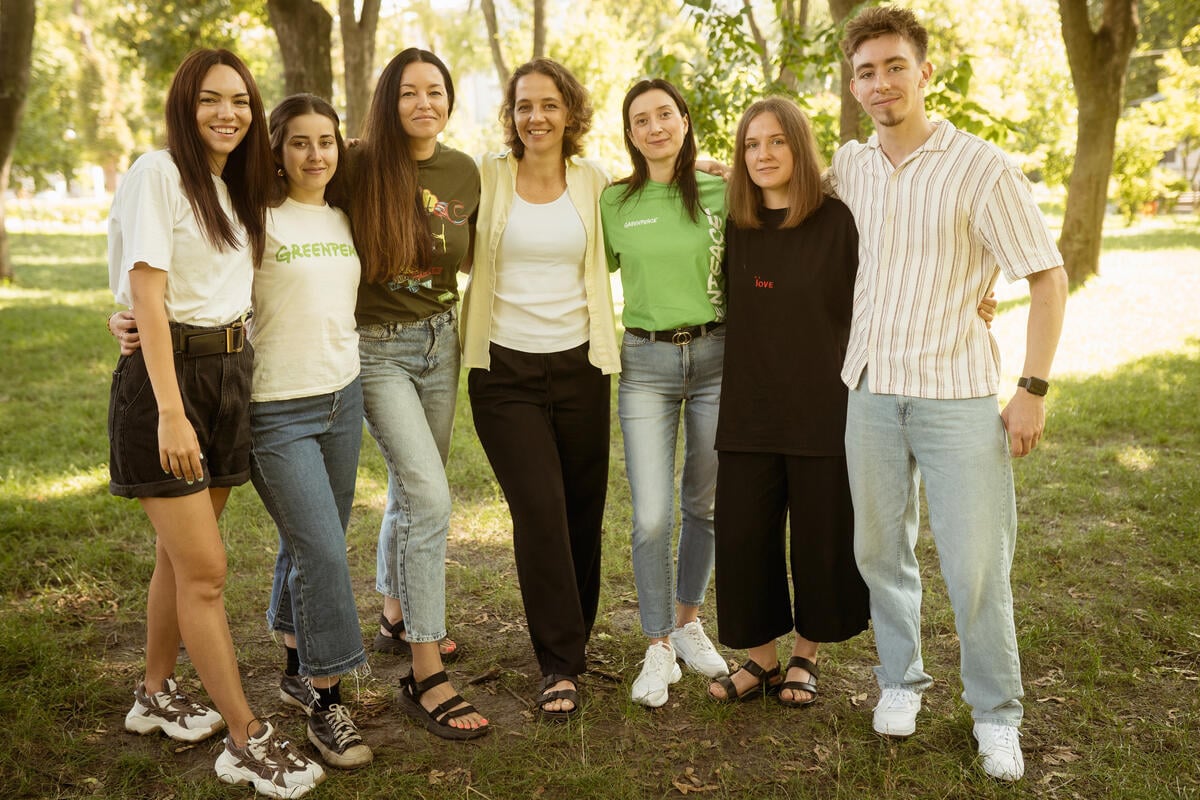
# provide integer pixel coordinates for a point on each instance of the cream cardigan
(498, 177)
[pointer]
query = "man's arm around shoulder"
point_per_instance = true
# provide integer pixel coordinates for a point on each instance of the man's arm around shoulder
(1025, 415)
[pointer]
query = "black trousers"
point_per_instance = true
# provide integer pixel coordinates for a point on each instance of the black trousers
(756, 493)
(543, 421)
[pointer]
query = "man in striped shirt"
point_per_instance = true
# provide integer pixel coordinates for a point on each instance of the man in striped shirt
(940, 213)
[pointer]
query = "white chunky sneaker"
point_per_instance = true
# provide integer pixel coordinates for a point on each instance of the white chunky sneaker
(896, 712)
(659, 671)
(697, 651)
(270, 764)
(172, 712)
(1000, 749)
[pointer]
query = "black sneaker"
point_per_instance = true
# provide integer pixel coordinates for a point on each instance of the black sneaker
(172, 712)
(334, 735)
(270, 765)
(297, 691)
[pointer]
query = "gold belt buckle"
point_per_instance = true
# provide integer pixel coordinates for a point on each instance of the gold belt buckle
(230, 338)
(681, 338)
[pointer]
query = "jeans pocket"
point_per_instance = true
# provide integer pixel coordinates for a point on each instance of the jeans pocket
(376, 332)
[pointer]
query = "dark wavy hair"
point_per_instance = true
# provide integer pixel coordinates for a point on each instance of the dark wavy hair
(684, 177)
(871, 23)
(579, 106)
(247, 171)
(805, 192)
(391, 227)
(297, 105)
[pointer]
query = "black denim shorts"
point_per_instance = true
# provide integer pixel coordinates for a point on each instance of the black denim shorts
(216, 399)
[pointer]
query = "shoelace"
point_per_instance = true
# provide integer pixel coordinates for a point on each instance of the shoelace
(695, 635)
(893, 699)
(659, 657)
(344, 732)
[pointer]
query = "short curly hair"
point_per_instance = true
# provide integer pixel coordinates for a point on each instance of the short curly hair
(579, 106)
(871, 23)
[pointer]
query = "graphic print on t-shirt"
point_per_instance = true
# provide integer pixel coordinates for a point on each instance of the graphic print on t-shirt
(290, 252)
(440, 212)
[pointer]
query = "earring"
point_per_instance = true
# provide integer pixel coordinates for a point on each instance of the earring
(279, 171)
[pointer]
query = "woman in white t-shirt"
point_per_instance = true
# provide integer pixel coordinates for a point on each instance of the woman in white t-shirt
(540, 341)
(186, 228)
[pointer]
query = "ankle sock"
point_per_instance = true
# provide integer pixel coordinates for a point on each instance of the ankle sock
(293, 661)
(328, 697)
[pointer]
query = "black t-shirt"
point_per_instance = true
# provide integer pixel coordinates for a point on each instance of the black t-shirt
(790, 295)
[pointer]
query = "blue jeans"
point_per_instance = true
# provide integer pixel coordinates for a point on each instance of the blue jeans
(410, 387)
(303, 463)
(960, 449)
(658, 379)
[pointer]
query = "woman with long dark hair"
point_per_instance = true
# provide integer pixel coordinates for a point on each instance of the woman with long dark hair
(413, 214)
(664, 230)
(185, 232)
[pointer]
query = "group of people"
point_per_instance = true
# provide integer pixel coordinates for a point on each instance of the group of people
(821, 336)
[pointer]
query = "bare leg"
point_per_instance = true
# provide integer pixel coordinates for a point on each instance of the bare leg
(806, 649)
(685, 614)
(395, 612)
(191, 560)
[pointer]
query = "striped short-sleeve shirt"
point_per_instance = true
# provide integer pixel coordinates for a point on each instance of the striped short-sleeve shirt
(933, 232)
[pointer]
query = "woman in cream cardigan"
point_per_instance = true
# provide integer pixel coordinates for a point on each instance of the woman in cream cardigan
(539, 339)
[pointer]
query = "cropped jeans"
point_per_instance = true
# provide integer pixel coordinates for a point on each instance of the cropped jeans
(410, 387)
(658, 381)
(960, 449)
(303, 463)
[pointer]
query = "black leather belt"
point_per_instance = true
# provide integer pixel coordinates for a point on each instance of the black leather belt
(194, 342)
(677, 336)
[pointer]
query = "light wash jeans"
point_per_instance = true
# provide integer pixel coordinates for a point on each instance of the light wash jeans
(657, 380)
(410, 387)
(961, 450)
(303, 463)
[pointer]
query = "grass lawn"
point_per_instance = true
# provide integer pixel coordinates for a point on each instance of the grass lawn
(1106, 584)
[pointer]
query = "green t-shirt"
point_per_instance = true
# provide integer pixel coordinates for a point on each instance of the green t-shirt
(670, 265)
(450, 190)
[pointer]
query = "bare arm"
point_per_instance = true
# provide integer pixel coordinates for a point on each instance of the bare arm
(178, 448)
(1025, 415)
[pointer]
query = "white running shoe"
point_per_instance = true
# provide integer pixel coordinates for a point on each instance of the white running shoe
(896, 712)
(172, 712)
(270, 764)
(697, 651)
(1000, 749)
(659, 671)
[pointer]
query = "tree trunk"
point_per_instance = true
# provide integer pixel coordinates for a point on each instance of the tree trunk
(358, 56)
(850, 123)
(488, 7)
(1098, 60)
(304, 28)
(764, 47)
(17, 19)
(539, 28)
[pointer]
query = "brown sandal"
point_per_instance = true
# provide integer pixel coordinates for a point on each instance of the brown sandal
(769, 681)
(809, 685)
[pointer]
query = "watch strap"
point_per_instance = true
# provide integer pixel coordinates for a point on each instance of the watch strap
(1035, 386)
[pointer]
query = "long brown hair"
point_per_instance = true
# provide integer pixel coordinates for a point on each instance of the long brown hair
(297, 105)
(684, 176)
(247, 171)
(391, 227)
(579, 107)
(805, 193)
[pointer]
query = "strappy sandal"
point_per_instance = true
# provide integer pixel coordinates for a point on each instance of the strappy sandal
(768, 683)
(809, 685)
(546, 697)
(437, 721)
(394, 643)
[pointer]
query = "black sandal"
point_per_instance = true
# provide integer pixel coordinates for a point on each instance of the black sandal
(809, 686)
(546, 697)
(394, 643)
(768, 683)
(437, 721)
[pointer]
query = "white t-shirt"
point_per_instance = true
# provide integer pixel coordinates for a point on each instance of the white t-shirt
(540, 304)
(152, 221)
(303, 330)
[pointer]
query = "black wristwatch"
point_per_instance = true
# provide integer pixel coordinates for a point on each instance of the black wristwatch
(1035, 386)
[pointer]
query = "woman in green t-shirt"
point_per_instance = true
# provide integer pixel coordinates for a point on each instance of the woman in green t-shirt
(664, 230)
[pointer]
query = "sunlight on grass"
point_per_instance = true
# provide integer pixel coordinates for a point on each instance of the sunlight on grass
(1136, 459)
(58, 487)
